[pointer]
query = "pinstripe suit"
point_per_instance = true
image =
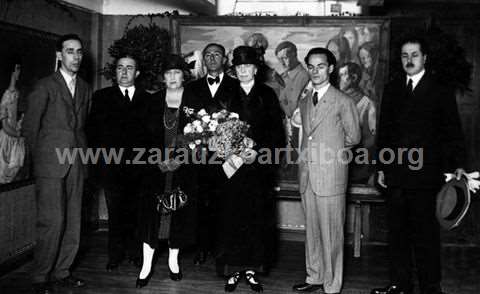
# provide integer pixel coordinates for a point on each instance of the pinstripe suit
(331, 125)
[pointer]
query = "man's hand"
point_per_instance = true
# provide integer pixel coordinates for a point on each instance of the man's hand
(381, 179)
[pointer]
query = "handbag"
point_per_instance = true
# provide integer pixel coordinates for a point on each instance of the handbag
(171, 200)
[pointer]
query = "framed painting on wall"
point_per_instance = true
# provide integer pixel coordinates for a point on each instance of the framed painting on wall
(361, 45)
(32, 53)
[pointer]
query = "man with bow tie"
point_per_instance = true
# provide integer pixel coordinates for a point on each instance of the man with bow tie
(330, 126)
(54, 122)
(417, 113)
(213, 92)
(117, 122)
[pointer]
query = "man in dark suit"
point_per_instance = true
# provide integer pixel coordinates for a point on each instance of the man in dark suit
(420, 126)
(53, 124)
(117, 123)
(213, 93)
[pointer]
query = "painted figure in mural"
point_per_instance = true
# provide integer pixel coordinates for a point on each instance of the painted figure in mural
(349, 77)
(12, 144)
(55, 119)
(351, 34)
(368, 54)
(329, 124)
(418, 114)
(369, 34)
(265, 74)
(195, 57)
(340, 48)
(295, 78)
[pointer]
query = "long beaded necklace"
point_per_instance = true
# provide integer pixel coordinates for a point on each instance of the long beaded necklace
(171, 121)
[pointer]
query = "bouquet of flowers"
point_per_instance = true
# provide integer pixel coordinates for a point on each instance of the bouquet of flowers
(222, 132)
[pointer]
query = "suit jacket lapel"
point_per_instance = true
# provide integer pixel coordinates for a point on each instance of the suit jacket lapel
(305, 111)
(65, 92)
(205, 89)
(323, 107)
(79, 98)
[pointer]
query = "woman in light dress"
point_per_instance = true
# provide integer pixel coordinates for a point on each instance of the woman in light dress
(12, 145)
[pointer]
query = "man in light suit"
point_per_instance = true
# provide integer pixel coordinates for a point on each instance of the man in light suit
(54, 122)
(330, 126)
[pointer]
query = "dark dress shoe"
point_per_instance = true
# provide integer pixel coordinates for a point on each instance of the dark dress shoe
(175, 276)
(200, 258)
(143, 282)
(306, 287)
(70, 282)
(231, 286)
(42, 288)
(253, 282)
(391, 289)
(112, 265)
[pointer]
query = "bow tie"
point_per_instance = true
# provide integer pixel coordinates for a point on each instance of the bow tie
(213, 80)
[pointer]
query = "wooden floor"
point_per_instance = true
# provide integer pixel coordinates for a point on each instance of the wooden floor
(461, 272)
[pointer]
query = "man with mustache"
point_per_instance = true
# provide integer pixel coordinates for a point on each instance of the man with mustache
(417, 113)
(54, 122)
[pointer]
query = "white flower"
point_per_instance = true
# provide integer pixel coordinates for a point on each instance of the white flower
(212, 126)
(202, 112)
(188, 129)
(233, 115)
(192, 145)
(206, 118)
(199, 129)
(215, 115)
(190, 111)
(248, 142)
(197, 123)
(198, 142)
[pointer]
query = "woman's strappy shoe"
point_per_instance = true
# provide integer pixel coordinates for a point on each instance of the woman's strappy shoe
(232, 282)
(252, 281)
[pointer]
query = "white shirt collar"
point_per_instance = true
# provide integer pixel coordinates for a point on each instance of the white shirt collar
(131, 91)
(416, 78)
(214, 87)
(220, 76)
(68, 78)
(321, 91)
(248, 86)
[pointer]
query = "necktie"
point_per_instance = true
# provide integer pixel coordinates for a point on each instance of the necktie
(126, 95)
(315, 98)
(71, 87)
(213, 80)
(410, 87)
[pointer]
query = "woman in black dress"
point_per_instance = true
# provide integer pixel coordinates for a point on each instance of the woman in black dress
(247, 207)
(177, 227)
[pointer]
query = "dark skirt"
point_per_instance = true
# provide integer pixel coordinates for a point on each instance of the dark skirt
(246, 222)
(182, 222)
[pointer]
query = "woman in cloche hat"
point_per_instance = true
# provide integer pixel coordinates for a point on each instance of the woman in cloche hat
(246, 209)
(177, 227)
